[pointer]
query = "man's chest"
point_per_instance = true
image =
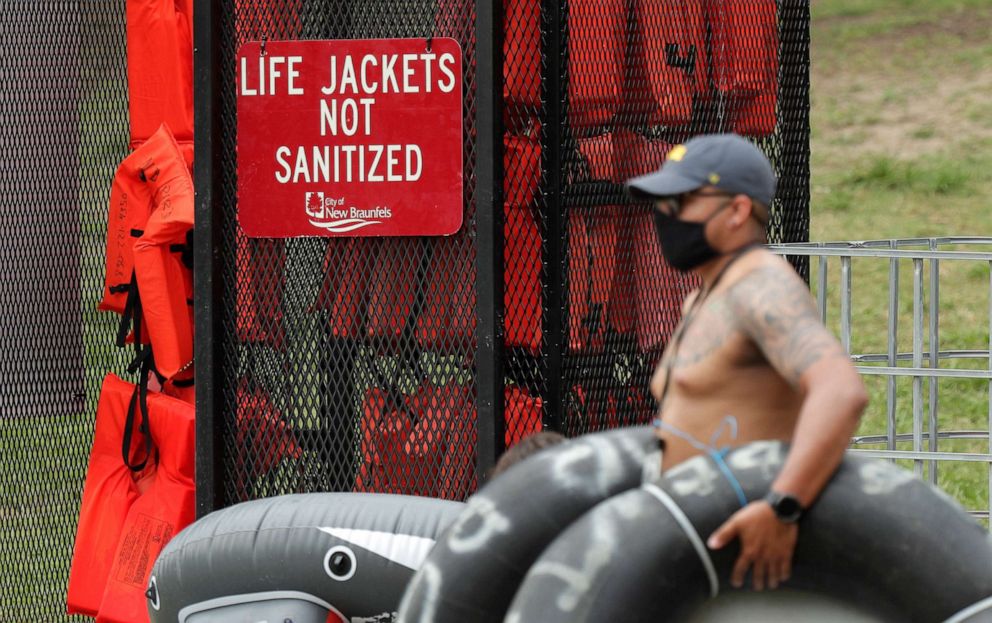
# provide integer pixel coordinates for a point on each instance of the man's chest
(708, 348)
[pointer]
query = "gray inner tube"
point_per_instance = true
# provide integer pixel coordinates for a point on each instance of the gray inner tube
(877, 537)
(353, 553)
(475, 569)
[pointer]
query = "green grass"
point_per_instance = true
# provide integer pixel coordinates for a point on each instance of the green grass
(900, 148)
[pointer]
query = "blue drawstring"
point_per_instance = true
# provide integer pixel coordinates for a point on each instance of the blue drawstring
(712, 450)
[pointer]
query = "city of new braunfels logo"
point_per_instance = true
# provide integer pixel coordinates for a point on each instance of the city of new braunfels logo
(332, 214)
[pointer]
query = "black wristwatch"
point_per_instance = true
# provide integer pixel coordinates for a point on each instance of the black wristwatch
(787, 508)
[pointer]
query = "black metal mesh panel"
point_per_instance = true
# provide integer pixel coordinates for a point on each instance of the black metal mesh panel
(64, 107)
(346, 363)
(635, 78)
(350, 364)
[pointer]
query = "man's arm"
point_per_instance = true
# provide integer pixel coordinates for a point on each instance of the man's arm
(776, 311)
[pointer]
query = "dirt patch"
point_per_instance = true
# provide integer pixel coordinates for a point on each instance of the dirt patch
(913, 90)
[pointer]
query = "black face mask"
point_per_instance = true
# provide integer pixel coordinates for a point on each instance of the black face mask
(683, 243)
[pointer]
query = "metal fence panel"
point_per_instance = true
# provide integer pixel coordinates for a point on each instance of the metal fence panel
(64, 111)
(935, 366)
(364, 364)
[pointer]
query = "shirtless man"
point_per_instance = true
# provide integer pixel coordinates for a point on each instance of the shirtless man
(750, 345)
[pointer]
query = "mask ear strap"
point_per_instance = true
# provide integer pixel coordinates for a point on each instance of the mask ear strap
(726, 205)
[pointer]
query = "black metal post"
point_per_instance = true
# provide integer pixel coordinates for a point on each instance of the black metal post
(793, 194)
(554, 241)
(489, 231)
(207, 41)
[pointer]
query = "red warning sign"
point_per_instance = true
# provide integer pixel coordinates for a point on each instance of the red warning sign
(350, 138)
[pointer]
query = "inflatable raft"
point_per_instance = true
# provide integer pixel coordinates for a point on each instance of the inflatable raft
(311, 558)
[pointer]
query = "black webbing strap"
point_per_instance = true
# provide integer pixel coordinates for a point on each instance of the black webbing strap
(132, 311)
(187, 256)
(138, 407)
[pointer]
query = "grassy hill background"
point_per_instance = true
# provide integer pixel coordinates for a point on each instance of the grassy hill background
(901, 96)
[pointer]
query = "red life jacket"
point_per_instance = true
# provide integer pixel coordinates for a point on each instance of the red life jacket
(592, 249)
(160, 69)
(645, 155)
(668, 61)
(745, 62)
(523, 414)
(447, 317)
(521, 52)
(258, 290)
(157, 515)
(597, 157)
(597, 45)
(111, 488)
(261, 262)
(596, 48)
(383, 431)
(641, 154)
(522, 278)
(262, 437)
(392, 285)
(164, 281)
(419, 447)
(344, 289)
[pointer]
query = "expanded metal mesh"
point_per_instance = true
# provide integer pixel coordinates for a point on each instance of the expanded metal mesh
(350, 364)
(64, 130)
(638, 77)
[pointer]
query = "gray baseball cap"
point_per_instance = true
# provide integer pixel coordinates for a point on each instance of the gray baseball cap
(726, 161)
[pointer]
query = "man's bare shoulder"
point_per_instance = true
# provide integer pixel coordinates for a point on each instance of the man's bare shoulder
(773, 306)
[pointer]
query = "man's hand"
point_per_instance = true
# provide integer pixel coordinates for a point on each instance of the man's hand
(766, 542)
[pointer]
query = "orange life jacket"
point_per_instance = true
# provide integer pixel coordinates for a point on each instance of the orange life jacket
(745, 62)
(130, 206)
(157, 515)
(418, 447)
(668, 61)
(182, 389)
(164, 281)
(160, 69)
(111, 488)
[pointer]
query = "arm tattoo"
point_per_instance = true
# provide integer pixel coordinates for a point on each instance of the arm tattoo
(774, 308)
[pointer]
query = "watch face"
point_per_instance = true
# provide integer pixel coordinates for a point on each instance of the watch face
(788, 508)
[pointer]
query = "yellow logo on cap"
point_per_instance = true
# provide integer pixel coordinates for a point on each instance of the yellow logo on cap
(677, 153)
(714, 178)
